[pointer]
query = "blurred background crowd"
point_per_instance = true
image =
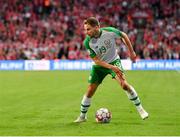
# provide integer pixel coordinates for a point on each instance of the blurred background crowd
(53, 29)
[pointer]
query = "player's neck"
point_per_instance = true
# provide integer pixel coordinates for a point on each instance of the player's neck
(98, 34)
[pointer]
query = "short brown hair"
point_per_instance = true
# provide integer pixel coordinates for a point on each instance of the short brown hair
(92, 21)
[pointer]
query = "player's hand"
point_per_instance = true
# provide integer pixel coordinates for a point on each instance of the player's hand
(117, 71)
(133, 56)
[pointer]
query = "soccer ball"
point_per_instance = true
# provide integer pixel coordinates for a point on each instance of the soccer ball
(103, 115)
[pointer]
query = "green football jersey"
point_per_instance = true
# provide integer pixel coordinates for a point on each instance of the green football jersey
(104, 47)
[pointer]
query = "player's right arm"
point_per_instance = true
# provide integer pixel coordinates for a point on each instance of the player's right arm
(86, 44)
(97, 61)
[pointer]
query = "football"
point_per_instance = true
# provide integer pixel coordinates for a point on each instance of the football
(103, 115)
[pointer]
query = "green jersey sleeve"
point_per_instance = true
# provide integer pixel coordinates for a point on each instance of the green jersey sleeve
(112, 29)
(92, 54)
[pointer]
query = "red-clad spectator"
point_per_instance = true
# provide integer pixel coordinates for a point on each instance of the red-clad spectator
(44, 29)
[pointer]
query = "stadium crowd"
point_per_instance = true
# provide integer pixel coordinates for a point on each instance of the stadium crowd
(52, 29)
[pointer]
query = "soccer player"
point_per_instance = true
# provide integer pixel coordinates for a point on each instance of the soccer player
(101, 45)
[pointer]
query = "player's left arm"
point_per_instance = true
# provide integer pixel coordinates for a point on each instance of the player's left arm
(125, 39)
(127, 42)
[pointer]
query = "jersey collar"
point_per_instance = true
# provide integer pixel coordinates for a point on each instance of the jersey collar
(100, 33)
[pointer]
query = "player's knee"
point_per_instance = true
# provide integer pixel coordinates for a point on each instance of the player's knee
(124, 85)
(89, 95)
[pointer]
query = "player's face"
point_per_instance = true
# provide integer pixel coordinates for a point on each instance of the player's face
(91, 31)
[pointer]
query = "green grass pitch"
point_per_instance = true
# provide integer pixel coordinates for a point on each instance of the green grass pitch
(45, 103)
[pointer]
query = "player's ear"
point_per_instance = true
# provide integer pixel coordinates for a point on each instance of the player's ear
(97, 27)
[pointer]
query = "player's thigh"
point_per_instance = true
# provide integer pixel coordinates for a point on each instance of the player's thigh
(122, 81)
(97, 74)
